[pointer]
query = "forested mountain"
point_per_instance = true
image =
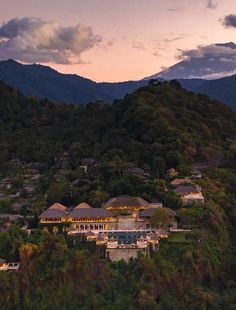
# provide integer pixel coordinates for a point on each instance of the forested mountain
(44, 82)
(157, 120)
(159, 126)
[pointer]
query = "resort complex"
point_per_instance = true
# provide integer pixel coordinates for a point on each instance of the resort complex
(122, 224)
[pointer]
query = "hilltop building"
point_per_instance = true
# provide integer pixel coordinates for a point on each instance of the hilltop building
(119, 213)
(122, 224)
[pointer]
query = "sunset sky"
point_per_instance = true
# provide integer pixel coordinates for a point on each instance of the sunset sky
(115, 40)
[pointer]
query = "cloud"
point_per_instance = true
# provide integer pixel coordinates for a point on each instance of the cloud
(215, 51)
(211, 4)
(207, 62)
(214, 76)
(35, 40)
(229, 21)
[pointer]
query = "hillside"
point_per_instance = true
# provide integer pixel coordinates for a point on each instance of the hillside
(44, 82)
(159, 126)
(156, 120)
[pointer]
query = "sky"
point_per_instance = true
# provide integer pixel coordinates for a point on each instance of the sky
(110, 40)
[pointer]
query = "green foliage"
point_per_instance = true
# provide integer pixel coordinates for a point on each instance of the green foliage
(158, 127)
(161, 218)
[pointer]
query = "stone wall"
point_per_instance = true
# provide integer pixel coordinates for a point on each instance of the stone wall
(125, 254)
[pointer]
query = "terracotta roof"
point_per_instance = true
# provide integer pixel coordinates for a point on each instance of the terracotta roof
(90, 212)
(83, 205)
(126, 201)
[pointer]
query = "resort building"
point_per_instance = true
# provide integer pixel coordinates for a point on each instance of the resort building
(122, 225)
(119, 213)
(83, 218)
(190, 194)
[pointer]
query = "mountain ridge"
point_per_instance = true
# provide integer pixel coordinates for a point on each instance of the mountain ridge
(44, 82)
(36, 80)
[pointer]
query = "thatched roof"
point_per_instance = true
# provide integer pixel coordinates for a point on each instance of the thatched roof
(83, 205)
(185, 190)
(57, 210)
(126, 201)
(58, 206)
(90, 213)
(148, 212)
(53, 214)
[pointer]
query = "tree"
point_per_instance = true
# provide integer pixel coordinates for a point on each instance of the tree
(97, 197)
(161, 218)
(39, 205)
(57, 192)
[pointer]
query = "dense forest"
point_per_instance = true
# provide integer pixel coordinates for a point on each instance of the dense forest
(158, 127)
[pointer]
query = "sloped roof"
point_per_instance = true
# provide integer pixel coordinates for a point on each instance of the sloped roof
(177, 182)
(57, 210)
(53, 214)
(127, 201)
(58, 206)
(184, 190)
(83, 205)
(90, 212)
(148, 212)
(2, 260)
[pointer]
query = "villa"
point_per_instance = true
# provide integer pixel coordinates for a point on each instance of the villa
(190, 194)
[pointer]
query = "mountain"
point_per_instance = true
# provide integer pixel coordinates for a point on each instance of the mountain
(206, 62)
(44, 82)
(223, 89)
